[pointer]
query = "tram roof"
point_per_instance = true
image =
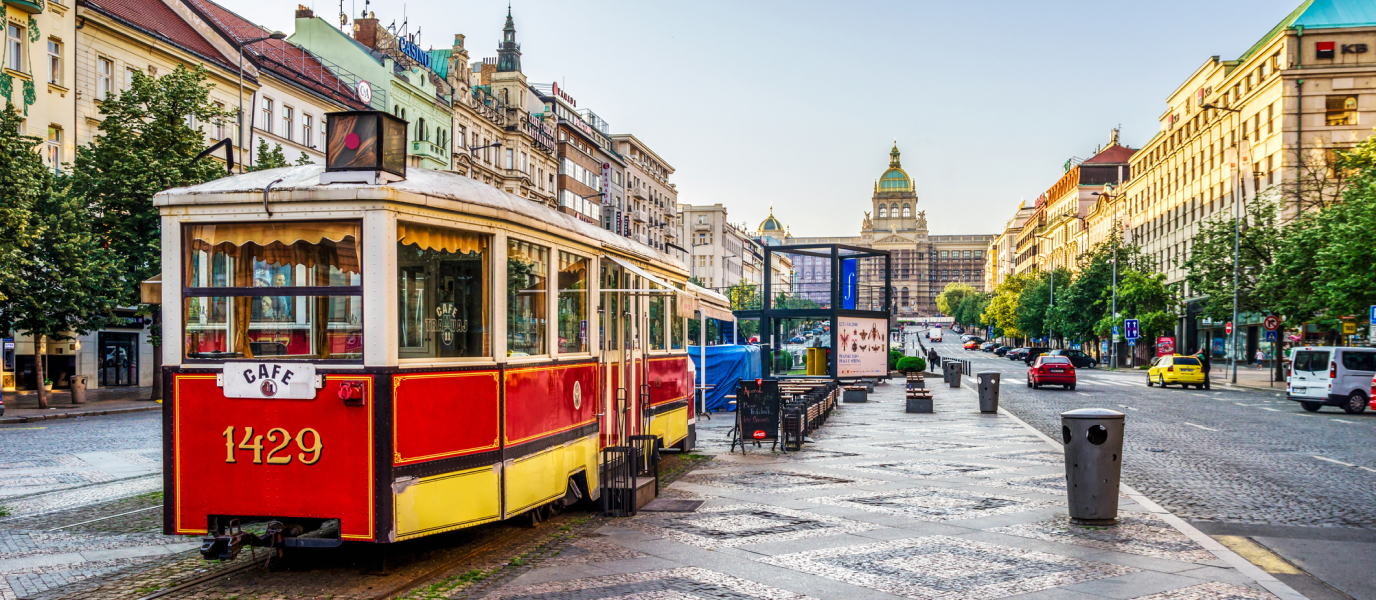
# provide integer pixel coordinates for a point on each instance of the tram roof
(422, 187)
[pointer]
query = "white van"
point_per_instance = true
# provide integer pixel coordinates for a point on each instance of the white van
(1333, 376)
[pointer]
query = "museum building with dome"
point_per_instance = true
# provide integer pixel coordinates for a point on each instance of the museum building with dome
(923, 264)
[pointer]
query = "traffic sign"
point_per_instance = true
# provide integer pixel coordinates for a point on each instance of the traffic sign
(1372, 318)
(1271, 323)
(1132, 341)
(1271, 336)
(1133, 327)
(1115, 331)
(1228, 328)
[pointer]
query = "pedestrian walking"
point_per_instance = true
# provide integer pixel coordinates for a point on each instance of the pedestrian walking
(1261, 356)
(1203, 357)
(933, 359)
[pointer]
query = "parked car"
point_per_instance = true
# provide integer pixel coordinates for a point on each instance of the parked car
(797, 339)
(970, 345)
(1051, 370)
(1176, 368)
(1015, 354)
(1002, 350)
(1077, 358)
(1373, 393)
(1033, 353)
(988, 346)
(1331, 376)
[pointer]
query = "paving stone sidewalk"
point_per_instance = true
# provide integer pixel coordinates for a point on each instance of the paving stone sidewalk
(22, 407)
(884, 504)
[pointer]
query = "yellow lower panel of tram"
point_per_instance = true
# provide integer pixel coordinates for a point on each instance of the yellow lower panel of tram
(670, 426)
(538, 478)
(448, 501)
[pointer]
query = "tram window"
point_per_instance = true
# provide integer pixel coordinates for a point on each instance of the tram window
(657, 322)
(442, 283)
(527, 268)
(233, 308)
(675, 324)
(611, 280)
(573, 303)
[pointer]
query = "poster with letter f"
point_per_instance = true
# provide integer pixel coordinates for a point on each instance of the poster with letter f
(848, 283)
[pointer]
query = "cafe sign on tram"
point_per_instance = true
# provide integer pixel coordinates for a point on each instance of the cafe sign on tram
(268, 380)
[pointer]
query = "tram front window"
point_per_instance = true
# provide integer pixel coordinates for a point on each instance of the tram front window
(527, 282)
(675, 324)
(442, 283)
(282, 290)
(657, 322)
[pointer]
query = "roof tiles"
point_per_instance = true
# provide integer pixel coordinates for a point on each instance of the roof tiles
(158, 20)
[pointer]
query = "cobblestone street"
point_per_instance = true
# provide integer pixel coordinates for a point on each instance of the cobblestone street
(892, 505)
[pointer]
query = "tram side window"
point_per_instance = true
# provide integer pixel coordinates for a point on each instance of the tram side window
(233, 307)
(573, 303)
(675, 324)
(657, 322)
(527, 282)
(442, 283)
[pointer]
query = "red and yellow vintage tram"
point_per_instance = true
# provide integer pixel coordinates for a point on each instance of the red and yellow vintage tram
(394, 359)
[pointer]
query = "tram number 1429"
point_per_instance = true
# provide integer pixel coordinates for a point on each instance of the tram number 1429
(310, 453)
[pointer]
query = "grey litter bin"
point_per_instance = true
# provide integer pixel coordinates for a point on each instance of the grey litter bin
(78, 389)
(955, 374)
(1093, 464)
(988, 391)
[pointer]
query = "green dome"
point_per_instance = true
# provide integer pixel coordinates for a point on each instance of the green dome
(770, 223)
(895, 180)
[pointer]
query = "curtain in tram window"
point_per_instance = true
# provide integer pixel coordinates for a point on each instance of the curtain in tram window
(288, 243)
(441, 238)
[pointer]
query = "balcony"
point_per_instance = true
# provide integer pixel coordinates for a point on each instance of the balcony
(28, 6)
(430, 150)
(639, 215)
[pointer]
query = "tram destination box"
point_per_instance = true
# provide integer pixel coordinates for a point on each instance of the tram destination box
(364, 146)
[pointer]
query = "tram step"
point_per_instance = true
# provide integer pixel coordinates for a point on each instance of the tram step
(644, 491)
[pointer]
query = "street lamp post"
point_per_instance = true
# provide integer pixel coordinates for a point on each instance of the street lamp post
(1113, 346)
(276, 35)
(1232, 356)
(1050, 329)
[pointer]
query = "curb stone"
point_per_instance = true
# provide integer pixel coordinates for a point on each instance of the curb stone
(76, 414)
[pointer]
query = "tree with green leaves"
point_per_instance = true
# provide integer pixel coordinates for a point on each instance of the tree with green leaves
(67, 283)
(24, 180)
(1144, 296)
(1035, 317)
(949, 299)
(269, 158)
(1002, 311)
(1209, 267)
(1082, 306)
(145, 145)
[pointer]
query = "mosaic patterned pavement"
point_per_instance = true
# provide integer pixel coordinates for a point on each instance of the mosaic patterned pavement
(775, 482)
(670, 584)
(947, 567)
(1146, 534)
(934, 504)
(930, 469)
(745, 523)
(859, 514)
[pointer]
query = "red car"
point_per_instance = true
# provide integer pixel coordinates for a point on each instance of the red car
(971, 345)
(1051, 370)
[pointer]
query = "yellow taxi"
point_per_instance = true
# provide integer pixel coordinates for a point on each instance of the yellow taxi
(1176, 368)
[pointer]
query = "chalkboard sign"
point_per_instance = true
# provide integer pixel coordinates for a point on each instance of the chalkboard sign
(757, 406)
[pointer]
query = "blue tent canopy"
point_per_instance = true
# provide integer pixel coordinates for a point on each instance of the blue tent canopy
(726, 365)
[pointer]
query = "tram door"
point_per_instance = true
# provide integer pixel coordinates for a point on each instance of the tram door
(620, 316)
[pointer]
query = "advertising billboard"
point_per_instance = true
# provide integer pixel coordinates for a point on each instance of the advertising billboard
(862, 347)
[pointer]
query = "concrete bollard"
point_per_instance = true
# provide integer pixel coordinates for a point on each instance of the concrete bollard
(1093, 440)
(79, 389)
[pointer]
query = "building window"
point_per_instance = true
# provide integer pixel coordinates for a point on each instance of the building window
(907, 211)
(308, 131)
(219, 123)
(1342, 110)
(14, 47)
(288, 122)
(883, 211)
(105, 76)
(55, 148)
(54, 62)
(509, 160)
(129, 78)
(266, 125)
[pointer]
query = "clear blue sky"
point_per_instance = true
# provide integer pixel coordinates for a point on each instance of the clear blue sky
(795, 104)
